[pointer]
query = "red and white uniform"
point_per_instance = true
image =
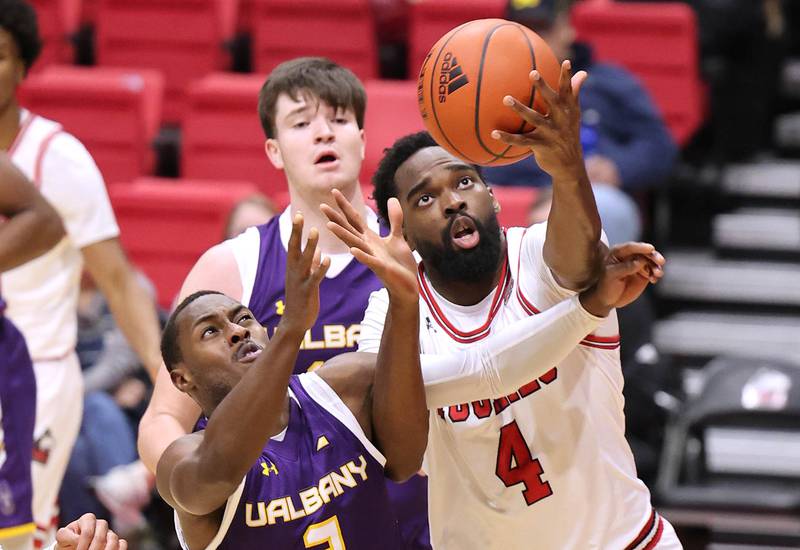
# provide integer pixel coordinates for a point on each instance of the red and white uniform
(548, 465)
(42, 295)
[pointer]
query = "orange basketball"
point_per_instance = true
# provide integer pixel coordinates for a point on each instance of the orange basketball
(464, 78)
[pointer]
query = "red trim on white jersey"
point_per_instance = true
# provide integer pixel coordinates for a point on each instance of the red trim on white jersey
(465, 337)
(37, 168)
(26, 123)
(650, 534)
(592, 341)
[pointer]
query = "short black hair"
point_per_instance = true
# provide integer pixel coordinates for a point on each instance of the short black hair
(170, 349)
(393, 157)
(18, 18)
(335, 85)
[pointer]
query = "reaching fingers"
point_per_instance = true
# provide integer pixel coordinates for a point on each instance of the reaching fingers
(521, 140)
(318, 273)
(577, 82)
(67, 537)
(350, 213)
(365, 258)
(565, 80)
(307, 257)
(100, 535)
(123, 544)
(350, 239)
(548, 94)
(112, 541)
(336, 217)
(297, 234)
(526, 113)
(624, 250)
(395, 217)
(625, 268)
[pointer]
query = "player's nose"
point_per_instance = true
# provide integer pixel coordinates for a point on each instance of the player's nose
(453, 203)
(323, 131)
(236, 333)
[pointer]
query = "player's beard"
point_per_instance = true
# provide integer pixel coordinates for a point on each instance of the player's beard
(473, 265)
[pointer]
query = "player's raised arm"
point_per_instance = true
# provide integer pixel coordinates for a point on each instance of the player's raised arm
(505, 361)
(572, 250)
(198, 472)
(33, 227)
(399, 411)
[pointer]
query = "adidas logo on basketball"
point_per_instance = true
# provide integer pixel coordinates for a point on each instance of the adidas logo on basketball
(451, 77)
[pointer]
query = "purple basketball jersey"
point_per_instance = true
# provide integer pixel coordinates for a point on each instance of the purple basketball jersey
(18, 403)
(319, 483)
(343, 301)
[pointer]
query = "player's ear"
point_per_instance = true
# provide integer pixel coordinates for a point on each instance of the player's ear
(363, 144)
(182, 378)
(274, 153)
(495, 203)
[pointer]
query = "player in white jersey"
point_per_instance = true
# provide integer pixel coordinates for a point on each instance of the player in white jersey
(546, 466)
(42, 295)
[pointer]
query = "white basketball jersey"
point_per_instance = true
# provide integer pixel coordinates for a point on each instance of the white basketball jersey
(547, 466)
(42, 295)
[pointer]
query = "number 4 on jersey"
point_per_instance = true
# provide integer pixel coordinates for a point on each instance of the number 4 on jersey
(516, 465)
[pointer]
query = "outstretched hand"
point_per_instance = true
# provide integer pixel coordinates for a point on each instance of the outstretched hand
(304, 272)
(556, 137)
(88, 532)
(389, 257)
(629, 268)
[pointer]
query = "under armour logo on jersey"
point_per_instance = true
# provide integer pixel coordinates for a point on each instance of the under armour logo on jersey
(279, 307)
(267, 467)
(322, 442)
(429, 324)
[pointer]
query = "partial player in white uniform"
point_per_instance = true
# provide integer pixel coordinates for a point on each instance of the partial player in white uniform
(42, 295)
(546, 466)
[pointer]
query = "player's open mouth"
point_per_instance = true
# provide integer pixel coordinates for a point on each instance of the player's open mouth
(326, 158)
(464, 233)
(248, 352)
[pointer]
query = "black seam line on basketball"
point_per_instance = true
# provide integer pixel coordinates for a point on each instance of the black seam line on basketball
(433, 103)
(476, 126)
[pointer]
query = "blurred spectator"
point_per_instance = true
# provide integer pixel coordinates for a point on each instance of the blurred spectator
(253, 210)
(625, 141)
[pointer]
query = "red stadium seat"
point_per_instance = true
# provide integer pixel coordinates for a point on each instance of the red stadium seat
(222, 135)
(58, 20)
(166, 225)
(343, 31)
(430, 20)
(658, 43)
(114, 112)
(515, 204)
(183, 38)
(392, 112)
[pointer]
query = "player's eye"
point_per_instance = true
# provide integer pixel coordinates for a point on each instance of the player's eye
(341, 120)
(245, 317)
(466, 181)
(208, 331)
(300, 124)
(424, 200)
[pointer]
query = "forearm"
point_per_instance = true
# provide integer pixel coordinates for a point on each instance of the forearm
(134, 311)
(508, 359)
(28, 235)
(399, 410)
(572, 249)
(251, 412)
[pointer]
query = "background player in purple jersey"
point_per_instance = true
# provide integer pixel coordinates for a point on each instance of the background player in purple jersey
(290, 469)
(312, 112)
(31, 228)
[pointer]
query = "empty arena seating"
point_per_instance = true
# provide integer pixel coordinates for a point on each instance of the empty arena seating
(183, 38)
(222, 135)
(429, 21)
(58, 20)
(658, 43)
(343, 31)
(167, 224)
(515, 204)
(392, 112)
(114, 112)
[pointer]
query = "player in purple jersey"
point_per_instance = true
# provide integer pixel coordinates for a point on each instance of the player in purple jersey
(312, 112)
(278, 468)
(32, 227)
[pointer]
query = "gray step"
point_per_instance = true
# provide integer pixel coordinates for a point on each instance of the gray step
(712, 334)
(787, 130)
(699, 276)
(758, 228)
(772, 179)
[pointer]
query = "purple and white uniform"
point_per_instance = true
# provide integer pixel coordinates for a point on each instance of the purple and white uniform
(260, 254)
(17, 417)
(319, 482)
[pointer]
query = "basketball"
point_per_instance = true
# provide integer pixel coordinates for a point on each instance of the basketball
(464, 78)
